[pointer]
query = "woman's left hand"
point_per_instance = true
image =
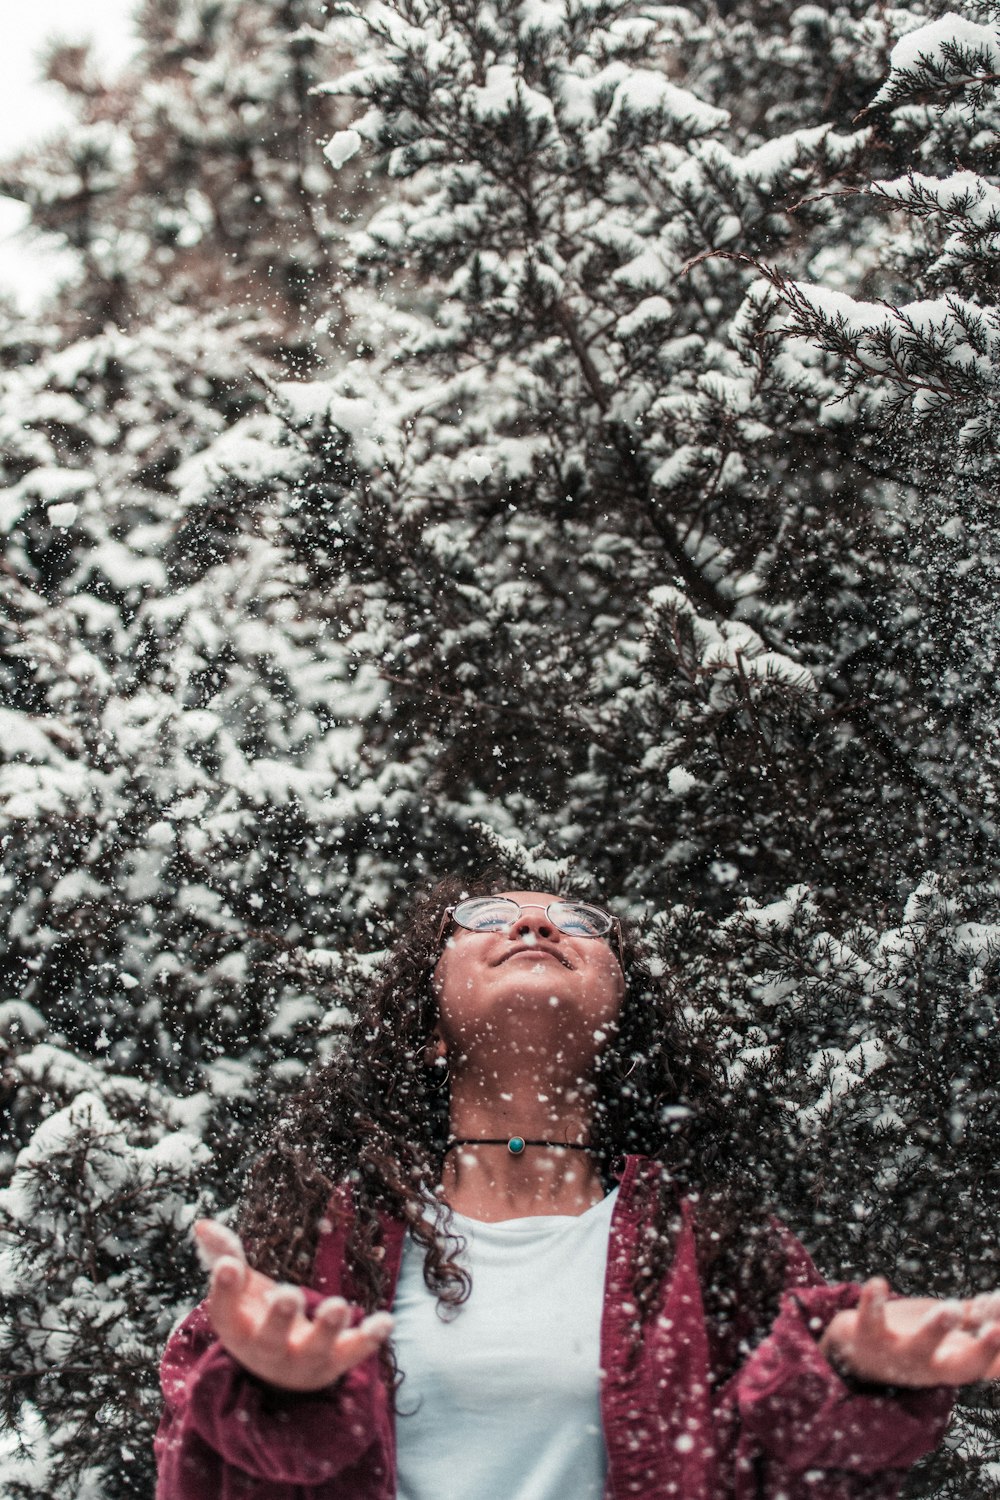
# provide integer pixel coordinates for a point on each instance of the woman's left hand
(916, 1341)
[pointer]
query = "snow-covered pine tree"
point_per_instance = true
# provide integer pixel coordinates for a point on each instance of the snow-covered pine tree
(670, 550)
(172, 720)
(580, 544)
(861, 1061)
(96, 1246)
(916, 349)
(164, 701)
(198, 176)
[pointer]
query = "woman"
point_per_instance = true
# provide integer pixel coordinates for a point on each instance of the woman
(509, 1153)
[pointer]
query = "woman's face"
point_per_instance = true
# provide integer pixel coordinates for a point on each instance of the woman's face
(528, 986)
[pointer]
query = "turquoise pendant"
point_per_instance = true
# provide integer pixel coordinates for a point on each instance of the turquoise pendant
(515, 1145)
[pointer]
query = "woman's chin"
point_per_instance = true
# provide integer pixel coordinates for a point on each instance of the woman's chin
(537, 985)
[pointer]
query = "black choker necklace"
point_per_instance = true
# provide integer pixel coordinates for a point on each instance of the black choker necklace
(515, 1143)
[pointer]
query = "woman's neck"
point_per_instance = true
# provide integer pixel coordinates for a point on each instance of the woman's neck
(489, 1182)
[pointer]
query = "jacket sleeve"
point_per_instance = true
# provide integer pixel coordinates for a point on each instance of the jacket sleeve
(796, 1407)
(223, 1429)
(805, 1429)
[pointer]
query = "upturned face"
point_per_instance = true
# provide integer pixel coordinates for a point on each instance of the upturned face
(528, 987)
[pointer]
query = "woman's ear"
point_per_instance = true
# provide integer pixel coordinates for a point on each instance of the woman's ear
(435, 1049)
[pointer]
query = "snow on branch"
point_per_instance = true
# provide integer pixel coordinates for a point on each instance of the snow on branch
(949, 54)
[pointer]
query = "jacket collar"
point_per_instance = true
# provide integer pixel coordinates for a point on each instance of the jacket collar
(330, 1275)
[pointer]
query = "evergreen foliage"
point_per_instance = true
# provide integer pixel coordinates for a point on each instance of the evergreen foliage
(588, 462)
(199, 176)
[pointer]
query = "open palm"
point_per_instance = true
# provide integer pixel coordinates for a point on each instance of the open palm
(916, 1341)
(264, 1324)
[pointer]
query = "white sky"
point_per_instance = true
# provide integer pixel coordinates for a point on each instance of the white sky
(30, 109)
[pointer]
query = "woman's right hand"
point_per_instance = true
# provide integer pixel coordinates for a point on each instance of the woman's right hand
(264, 1326)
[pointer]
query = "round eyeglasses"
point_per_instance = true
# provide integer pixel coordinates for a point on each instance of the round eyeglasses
(494, 913)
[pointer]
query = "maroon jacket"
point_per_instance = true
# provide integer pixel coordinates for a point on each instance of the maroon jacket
(784, 1427)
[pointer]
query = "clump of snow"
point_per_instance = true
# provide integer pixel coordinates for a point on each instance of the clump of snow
(772, 666)
(648, 91)
(18, 1018)
(541, 15)
(841, 1071)
(341, 147)
(966, 193)
(673, 471)
(979, 939)
(504, 92)
(837, 307)
(63, 513)
(649, 311)
(29, 792)
(647, 271)
(775, 915)
(360, 417)
(926, 897)
(896, 340)
(76, 886)
(293, 1012)
(123, 566)
(766, 162)
(931, 43)
(478, 467)
(248, 450)
(21, 734)
(680, 781)
(51, 486)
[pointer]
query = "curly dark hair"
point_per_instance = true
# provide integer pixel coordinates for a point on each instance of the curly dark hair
(376, 1116)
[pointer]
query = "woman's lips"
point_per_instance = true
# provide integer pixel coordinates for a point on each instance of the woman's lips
(535, 954)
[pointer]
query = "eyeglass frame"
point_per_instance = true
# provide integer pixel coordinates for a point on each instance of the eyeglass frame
(615, 930)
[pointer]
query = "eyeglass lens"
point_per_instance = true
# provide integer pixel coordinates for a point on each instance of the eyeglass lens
(572, 917)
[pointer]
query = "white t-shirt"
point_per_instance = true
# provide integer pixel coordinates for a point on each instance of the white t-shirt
(502, 1401)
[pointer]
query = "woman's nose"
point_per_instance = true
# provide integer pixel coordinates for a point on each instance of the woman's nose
(532, 920)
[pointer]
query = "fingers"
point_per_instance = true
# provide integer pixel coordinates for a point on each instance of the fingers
(253, 1314)
(969, 1358)
(228, 1278)
(348, 1346)
(282, 1308)
(983, 1319)
(982, 1310)
(947, 1350)
(230, 1284)
(326, 1349)
(915, 1341)
(980, 1359)
(331, 1316)
(225, 1294)
(360, 1343)
(871, 1324)
(989, 1349)
(377, 1327)
(927, 1336)
(213, 1241)
(959, 1341)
